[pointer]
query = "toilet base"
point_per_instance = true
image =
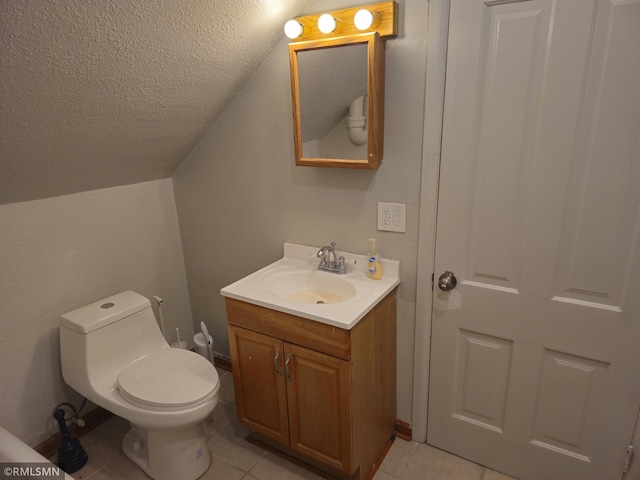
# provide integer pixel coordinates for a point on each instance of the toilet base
(173, 454)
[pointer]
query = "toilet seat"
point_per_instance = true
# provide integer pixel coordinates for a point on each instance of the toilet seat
(168, 379)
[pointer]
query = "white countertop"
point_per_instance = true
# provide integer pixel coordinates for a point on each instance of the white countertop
(255, 289)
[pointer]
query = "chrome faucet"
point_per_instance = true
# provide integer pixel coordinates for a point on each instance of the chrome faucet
(329, 262)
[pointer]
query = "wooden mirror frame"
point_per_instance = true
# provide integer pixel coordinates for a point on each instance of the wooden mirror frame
(375, 99)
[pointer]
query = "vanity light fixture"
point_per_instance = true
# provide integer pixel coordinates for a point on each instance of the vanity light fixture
(380, 18)
(293, 29)
(364, 19)
(327, 24)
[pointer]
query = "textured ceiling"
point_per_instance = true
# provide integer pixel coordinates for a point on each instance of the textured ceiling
(98, 93)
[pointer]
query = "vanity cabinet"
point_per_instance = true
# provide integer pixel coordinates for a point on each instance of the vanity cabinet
(303, 404)
(317, 392)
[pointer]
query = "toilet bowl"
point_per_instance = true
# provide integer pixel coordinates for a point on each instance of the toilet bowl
(114, 354)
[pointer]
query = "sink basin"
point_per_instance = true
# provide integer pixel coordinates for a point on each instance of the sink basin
(294, 285)
(310, 287)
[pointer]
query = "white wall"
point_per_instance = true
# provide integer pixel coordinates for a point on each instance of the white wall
(240, 196)
(61, 253)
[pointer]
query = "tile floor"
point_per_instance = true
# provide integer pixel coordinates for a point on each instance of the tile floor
(233, 458)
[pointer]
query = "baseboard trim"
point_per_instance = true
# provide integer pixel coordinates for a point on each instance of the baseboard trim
(404, 430)
(221, 361)
(95, 417)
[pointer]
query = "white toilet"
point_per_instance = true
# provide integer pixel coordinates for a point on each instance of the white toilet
(114, 354)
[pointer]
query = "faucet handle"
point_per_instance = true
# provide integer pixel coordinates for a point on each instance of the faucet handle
(323, 259)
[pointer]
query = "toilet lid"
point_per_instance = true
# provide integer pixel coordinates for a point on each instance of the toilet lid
(170, 377)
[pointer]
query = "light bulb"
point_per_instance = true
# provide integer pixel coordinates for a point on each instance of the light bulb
(293, 29)
(363, 19)
(326, 23)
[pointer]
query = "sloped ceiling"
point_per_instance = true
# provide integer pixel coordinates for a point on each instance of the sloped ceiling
(99, 93)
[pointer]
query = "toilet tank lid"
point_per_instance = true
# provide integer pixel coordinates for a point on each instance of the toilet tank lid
(103, 312)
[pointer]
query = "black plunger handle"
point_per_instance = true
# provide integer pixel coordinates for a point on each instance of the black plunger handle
(59, 416)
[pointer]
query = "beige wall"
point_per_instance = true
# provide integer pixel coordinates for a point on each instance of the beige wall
(239, 195)
(61, 253)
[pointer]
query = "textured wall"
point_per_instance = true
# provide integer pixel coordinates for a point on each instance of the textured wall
(240, 196)
(62, 253)
(99, 93)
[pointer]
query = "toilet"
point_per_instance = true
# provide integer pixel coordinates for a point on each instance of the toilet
(115, 355)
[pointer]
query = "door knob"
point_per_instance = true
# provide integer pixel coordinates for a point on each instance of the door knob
(447, 281)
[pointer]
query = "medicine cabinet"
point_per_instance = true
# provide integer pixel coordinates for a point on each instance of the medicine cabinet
(337, 90)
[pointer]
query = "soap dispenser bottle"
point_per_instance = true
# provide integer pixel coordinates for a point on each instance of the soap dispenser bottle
(374, 270)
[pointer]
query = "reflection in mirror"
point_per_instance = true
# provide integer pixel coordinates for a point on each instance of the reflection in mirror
(333, 106)
(337, 88)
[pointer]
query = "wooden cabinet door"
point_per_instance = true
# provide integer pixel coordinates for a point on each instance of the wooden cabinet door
(318, 395)
(259, 382)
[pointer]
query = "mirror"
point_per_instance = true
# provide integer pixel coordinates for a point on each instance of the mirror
(332, 89)
(337, 88)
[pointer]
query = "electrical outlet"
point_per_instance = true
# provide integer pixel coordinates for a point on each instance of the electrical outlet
(392, 217)
(386, 216)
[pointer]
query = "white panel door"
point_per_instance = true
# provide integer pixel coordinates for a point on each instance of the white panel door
(535, 367)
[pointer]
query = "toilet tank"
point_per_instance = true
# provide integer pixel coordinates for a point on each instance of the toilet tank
(97, 341)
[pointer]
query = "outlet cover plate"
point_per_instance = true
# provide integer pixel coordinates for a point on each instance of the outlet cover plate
(392, 217)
